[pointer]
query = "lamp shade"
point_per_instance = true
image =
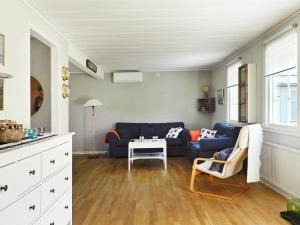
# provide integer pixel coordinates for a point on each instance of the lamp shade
(92, 103)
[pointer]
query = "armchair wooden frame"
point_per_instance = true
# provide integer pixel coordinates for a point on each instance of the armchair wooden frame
(195, 172)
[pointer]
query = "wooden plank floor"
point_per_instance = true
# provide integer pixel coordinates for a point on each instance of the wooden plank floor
(104, 193)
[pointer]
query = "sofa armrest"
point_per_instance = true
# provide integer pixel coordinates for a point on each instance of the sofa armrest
(216, 144)
(111, 138)
(185, 135)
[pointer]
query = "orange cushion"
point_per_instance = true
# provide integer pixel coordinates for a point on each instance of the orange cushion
(195, 134)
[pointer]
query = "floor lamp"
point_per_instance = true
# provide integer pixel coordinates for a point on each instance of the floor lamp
(93, 103)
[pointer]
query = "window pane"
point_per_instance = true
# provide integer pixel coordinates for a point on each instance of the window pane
(283, 87)
(233, 73)
(281, 53)
(233, 102)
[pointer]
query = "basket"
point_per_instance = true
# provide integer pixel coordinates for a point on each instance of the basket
(10, 131)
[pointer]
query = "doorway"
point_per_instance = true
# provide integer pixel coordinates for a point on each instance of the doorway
(40, 81)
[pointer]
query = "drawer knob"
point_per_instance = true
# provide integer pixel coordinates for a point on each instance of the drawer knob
(52, 190)
(66, 207)
(4, 188)
(52, 223)
(31, 172)
(66, 153)
(32, 207)
(66, 178)
(52, 161)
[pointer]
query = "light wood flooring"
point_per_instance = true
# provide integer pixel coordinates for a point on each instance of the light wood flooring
(104, 193)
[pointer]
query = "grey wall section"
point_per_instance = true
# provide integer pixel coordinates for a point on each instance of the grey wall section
(40, 68)
(254, 54)
(170, 97)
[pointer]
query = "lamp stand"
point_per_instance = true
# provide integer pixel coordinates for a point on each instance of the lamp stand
(96, 156)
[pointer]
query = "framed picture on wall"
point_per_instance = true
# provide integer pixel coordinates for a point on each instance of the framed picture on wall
(220, 96)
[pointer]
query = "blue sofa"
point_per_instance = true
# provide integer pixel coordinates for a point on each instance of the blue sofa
(226, 137)
(128, 131)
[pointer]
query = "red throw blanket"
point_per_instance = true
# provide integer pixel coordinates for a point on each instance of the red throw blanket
(110, 131)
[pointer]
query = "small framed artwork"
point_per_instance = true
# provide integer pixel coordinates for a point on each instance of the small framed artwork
(220, 96)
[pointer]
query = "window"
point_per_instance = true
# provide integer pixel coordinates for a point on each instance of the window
(232, 91)
(282, 80)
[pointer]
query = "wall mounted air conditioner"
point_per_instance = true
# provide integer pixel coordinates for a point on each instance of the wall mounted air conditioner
(127, 77)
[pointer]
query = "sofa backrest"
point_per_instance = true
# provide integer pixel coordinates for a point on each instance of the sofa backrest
(227, 129)
(159, 129)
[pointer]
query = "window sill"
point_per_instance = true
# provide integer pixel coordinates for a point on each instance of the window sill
(283, 130)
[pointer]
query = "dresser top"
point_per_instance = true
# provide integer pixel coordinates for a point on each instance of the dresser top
(27, 142)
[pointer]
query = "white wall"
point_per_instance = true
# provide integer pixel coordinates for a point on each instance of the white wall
(254, 54)
(170, 97)
(40, 68)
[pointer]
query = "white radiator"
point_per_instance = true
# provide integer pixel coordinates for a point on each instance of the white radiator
(281, 168)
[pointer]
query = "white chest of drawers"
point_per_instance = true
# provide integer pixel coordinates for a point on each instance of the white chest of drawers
(36, 183)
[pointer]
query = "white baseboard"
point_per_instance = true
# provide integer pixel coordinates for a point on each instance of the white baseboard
(90, 153)
(276, 188)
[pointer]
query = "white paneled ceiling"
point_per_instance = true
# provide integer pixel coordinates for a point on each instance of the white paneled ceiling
(162, 34)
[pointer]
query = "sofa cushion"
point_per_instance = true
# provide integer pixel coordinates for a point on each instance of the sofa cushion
(174, 132)
(195, 134)
(174, 141)
(206, 133)
(227, 129)
(124, 133)
(123, 143)
(134, 128)
(147, 132)
(161, 132)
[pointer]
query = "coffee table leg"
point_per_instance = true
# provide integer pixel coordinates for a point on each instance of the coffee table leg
(129, 158)
(165, 157)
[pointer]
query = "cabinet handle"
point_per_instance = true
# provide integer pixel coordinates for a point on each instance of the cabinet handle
(4, 188)
(31, 172)
(66, 207)
(52, 190)
(66, 178)
(52, 161)
(32, 207)
(66, 153)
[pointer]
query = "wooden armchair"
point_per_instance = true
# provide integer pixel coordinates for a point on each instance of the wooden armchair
(232, 166)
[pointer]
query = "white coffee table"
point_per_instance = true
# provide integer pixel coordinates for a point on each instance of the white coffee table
(147, 144)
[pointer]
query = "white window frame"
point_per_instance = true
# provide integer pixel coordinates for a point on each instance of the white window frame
(281, 128)
(228, 120)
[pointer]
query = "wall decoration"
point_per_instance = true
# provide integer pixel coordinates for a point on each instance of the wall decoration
(1, 94)
(37, 95)
(220, 96)
(65, 90)
(205, 90)
(65, 73)
(2, 49)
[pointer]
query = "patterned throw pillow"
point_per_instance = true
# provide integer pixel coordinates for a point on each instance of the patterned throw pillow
(174, 132)
(206, 133)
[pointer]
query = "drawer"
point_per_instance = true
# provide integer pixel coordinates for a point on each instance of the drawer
(56, 158)
(18, 177)
(24, 211)
(61, 212)
(55, 187)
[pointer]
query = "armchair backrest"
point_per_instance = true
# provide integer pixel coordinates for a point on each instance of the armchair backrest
(238, 155)
(227, 129)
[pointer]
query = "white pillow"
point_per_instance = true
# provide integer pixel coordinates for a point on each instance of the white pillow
(174, 132)
(206, 133)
